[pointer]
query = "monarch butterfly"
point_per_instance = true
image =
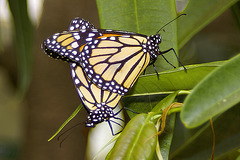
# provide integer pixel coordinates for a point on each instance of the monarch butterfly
(99, 103)
(104, 64)
(113, 60)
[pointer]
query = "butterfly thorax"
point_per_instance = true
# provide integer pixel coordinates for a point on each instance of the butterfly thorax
(99, 115)
(152, 46)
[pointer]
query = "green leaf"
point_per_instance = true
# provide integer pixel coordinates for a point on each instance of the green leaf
(172, 80)
(218, 92)
(144, 17)
(141, 104)
(199, 14)
(150, 103)
(165, 139)
(155, 89)
(24, 43)
(79, 108)
(195, 143)
(136, 141)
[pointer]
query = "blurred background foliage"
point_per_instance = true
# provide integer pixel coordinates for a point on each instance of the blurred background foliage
(37, 93)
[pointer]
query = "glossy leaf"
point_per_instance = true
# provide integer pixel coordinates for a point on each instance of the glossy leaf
(199, 14)
(218, 92)
(155, 89)
(135, 141)
(141, 104)
(172, 80)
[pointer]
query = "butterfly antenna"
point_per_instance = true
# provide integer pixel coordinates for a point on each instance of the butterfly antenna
(60, 145)
(170, 22)
(67, 132)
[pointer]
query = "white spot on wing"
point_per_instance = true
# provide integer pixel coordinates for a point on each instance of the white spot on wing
(77, 81)
(74, 52)
(71, 28)
(91, 34)
(88, 39)
(77, 37)
(75, 45)
(113, 38)
(73, 73)
(73, 64)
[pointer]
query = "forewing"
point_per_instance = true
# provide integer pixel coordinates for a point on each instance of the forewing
(65, 46)
(114, 61)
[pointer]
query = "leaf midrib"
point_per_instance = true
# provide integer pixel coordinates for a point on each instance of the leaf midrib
(136, 16)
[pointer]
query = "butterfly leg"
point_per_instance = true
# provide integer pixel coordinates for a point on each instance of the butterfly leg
(155, 70)
(110, 125)
(171, 49)
(131, 110)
